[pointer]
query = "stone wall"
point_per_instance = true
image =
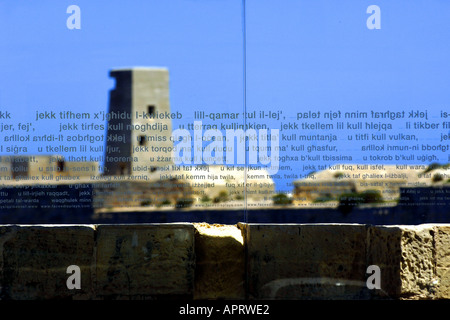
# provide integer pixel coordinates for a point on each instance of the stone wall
(244, 261)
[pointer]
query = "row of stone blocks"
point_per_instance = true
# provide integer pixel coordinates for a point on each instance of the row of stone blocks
(244, 261)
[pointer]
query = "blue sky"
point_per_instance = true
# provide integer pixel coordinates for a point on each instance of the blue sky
(301, 55)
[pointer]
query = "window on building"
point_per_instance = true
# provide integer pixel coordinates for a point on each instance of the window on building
(151, 110)
(141, 140)
(19, 168)
(60, 164)
(122, 168)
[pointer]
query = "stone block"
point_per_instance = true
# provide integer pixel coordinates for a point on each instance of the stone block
(220, 262)
(145, 261)
(311, 261)
(405, 255)
(442, 256)
(442, 244)
(34, 261)
(443, 287)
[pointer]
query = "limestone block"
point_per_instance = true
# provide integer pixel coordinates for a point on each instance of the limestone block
(146, 260)
(220, 262)
(405, 255)
(442, 247)
(311, 261)
(443, 287)
(34, 261)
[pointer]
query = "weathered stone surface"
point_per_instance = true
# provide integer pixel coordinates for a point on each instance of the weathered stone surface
(220, 262)
(443, 287)
(306, 261)
(149, 260)
(405, 255)
(201, 261)
(34, 261)
(442, 256)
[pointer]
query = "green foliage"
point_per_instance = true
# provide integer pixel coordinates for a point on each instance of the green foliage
(436, 165)
(184, 203)
(146, 203)
(337, 175)
(222, 197)
(281, 199)
(372, 196)
(348, 201)
(165, 202)
(437, 177)
(324, 198)
(205, 199)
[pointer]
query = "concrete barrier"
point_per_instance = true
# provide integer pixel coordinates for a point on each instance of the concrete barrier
(244, 261)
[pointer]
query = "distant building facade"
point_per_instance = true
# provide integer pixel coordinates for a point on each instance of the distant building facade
(35, 168)
(138, 165)
(140, 122)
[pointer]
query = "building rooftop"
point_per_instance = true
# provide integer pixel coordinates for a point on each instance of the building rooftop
(139, 69)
